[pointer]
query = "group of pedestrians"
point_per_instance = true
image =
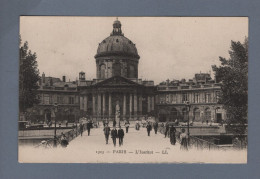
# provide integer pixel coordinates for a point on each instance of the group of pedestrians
(114, 134)
(88, 125)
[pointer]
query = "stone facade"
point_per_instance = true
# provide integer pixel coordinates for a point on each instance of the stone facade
(117, 83)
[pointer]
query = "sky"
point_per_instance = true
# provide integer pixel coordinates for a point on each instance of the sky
(169, 47)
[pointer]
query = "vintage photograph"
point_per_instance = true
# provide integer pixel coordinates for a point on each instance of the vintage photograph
(133, 89)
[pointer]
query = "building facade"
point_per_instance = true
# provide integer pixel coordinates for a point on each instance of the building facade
(117, 88)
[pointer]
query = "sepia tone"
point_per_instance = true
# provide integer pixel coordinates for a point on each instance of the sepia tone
(118, 97)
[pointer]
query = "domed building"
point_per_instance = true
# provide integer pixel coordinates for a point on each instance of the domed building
(117, 56)
(117, 91)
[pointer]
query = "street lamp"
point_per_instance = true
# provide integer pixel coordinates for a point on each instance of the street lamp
(187, 103)
(55, 137)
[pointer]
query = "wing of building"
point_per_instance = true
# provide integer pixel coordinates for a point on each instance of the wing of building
(117, 84)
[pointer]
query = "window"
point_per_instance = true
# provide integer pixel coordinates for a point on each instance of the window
(184, 97)
(46, 99)
(217, 95)
(102, 71)
(60, 100)
(174, 100)
(196, 98)
(207, 97)
(71, 100)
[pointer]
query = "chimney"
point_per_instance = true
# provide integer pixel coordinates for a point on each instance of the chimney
(64, 78)
(43, 78)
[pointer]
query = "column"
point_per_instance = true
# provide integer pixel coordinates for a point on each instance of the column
(104, 104)
(152, 101)
(148, 104)
(109, 105)
(93, 105)
(85, 103)
(135, 104)
(81, 102)
(99, 106)
(124, 106)
(140, 104)
(130, 105)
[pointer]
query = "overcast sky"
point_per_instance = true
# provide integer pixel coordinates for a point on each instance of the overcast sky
(169, 47)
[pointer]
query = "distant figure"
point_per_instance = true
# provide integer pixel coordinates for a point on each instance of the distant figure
(155, 126)
(207, 121)
(89, 125)
(166, 129)
(114, 135)
(59, 124)
(172, 135)
(137, 125)
(114, 123)
(127, 124)
(67, 123)
(64, 142)
(120, 135)
(106, 132)
(81, 129)
(149, 128)
(183, 139)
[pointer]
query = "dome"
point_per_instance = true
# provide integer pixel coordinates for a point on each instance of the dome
(117, 44)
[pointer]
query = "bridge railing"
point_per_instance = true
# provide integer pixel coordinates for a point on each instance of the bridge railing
(70, 135)
(194, 142)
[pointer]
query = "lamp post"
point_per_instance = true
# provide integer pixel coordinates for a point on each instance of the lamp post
(55, 136)
(188, 109)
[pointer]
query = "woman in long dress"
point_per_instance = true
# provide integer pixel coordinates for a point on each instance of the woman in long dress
(172, 135)
(184, 140)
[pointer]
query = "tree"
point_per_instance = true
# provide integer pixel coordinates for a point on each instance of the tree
(28, 78)
(233, 76)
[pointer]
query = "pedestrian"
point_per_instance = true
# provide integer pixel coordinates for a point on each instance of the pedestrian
(120, 135)
(166, 129)
(67, 123)
(81, 129)
(127, 124)
(114, 123)
(149, 128)
(155, 126)
(89, 125)
(114, 135)
(172, 135)
(137, 125)
(106, 132)
(64, 141)
(183, 139)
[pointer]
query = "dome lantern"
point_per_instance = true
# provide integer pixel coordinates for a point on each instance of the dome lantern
(117, 28)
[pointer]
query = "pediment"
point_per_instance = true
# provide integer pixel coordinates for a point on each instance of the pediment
(117, 81)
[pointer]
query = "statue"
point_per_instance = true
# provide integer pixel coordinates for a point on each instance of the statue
(117, 115)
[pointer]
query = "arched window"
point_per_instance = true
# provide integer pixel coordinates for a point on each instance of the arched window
(173, 114)
(207, 114)
(116, 69)
(102, 71)
(131, 71)
(196, 114)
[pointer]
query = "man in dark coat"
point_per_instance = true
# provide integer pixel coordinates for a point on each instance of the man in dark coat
(149, 128)
(114, 135)
(81, 129)
(120, 135)
(166, 129)
(106, 132)
(89, 125)
(172, 135)
(155, 126)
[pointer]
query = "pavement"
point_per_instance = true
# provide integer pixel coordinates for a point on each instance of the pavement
(137, 148)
